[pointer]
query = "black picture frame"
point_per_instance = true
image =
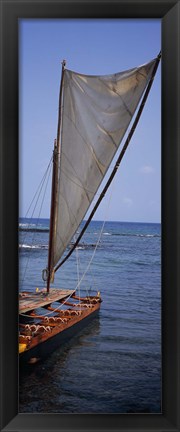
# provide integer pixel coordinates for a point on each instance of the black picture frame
(169, 12)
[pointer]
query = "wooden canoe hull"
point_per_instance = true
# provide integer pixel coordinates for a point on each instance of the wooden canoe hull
(59, 336)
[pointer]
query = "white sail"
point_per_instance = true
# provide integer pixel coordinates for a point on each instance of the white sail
(96, 112)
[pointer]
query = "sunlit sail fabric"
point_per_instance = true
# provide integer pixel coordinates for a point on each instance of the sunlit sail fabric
(95, 115)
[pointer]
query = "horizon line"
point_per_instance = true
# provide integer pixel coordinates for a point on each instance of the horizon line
(97, 220)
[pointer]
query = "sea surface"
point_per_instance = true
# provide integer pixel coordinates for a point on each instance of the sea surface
(114, 365)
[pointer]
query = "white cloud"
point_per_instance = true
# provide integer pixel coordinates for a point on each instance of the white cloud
(147, 169)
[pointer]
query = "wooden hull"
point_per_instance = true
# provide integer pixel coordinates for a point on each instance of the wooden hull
(45, 344)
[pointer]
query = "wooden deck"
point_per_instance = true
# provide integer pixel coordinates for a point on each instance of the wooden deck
(29, 301)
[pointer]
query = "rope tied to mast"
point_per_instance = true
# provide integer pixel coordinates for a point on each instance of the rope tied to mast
(45, 275)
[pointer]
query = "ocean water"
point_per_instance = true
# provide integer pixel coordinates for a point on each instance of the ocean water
(114, 364)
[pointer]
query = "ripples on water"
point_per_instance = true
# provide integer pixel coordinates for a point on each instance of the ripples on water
(114, 365)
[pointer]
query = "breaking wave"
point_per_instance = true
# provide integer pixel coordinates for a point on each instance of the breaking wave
(26, 246)
(136, 235)
(81, 246)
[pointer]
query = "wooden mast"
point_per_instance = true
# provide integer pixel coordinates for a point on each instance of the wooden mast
(118, 161)
(54, 190)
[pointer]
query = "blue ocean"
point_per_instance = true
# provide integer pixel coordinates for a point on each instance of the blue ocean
(114, 364)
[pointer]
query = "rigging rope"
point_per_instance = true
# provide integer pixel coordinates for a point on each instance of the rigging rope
(40, 187)
(42, 183)
(98, 241)
(80, 280)
(51, 312)
(78, 265)
(91, 257)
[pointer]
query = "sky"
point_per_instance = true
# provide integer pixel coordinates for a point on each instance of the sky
(93, 47)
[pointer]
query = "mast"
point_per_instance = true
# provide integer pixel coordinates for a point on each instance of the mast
(54, 190)
(118, 161)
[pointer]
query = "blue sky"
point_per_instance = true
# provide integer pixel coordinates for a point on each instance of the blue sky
(90, 47)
